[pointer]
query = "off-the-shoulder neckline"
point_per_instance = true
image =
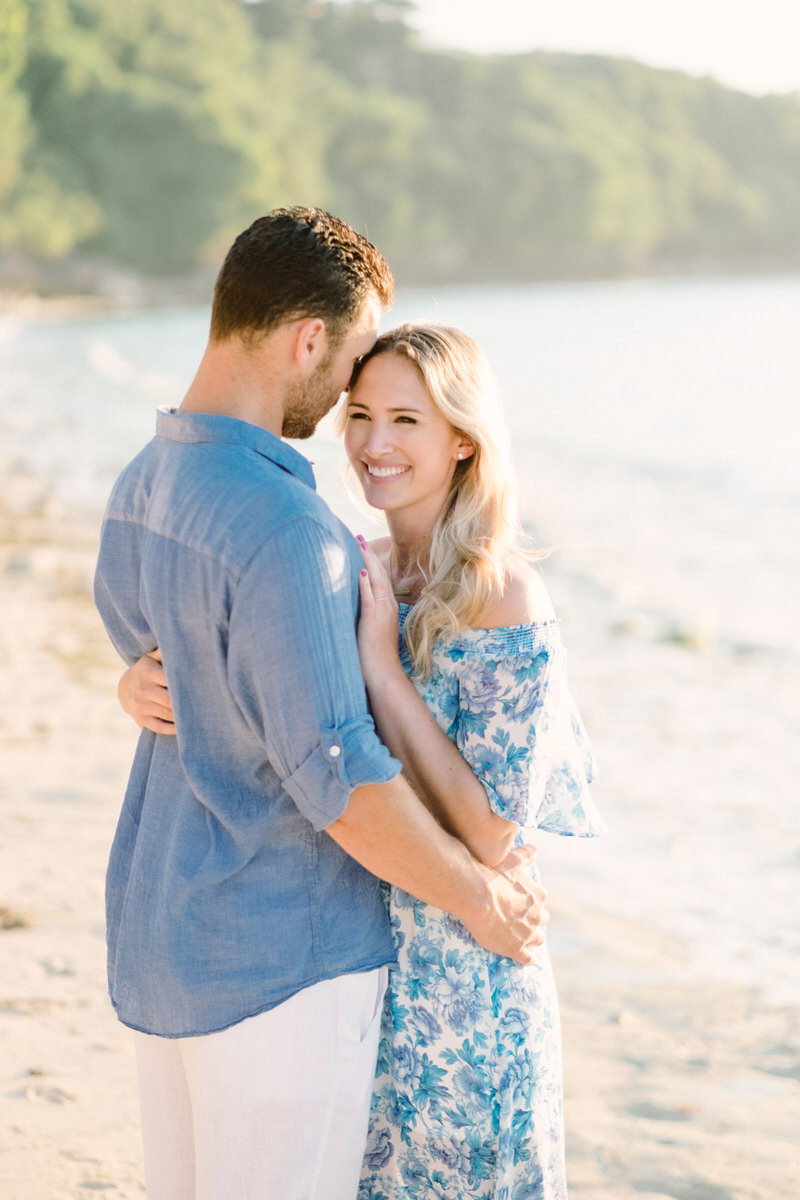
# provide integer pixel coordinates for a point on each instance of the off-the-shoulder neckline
(549, 623)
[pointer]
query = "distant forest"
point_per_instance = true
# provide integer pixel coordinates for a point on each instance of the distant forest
(148, 132)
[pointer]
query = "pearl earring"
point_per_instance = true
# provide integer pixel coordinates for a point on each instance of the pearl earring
(459, 455)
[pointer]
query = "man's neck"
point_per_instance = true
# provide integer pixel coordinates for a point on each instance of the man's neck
(233, 383)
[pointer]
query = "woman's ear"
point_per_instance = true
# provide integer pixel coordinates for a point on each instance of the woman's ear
(464, 449)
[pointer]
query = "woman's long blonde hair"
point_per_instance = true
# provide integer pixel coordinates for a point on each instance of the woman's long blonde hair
(478, 525)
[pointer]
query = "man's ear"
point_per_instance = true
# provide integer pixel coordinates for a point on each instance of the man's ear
(310, 343)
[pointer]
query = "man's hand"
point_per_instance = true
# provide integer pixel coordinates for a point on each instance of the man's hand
(388, 830)
(513, 918)
(142, 692)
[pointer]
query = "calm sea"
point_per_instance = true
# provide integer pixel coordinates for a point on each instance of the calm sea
(655, 430)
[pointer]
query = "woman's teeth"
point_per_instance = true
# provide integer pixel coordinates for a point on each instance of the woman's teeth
(385, 472)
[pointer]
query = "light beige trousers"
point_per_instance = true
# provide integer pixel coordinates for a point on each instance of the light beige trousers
(274, 1108)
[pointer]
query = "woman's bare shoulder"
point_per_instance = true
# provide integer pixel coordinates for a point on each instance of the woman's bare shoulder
(524, 598)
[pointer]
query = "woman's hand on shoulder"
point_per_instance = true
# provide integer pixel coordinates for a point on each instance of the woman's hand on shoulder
(142, 691)
(378, 621)
(524, 599)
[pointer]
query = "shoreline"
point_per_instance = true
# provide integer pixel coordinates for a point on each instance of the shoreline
(121, 291)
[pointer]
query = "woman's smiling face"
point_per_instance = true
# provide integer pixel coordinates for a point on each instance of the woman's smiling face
(403, 450)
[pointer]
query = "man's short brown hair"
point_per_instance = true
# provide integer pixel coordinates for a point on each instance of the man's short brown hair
(292, 263)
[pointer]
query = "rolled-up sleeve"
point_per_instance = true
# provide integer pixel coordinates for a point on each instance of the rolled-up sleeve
(293, 669)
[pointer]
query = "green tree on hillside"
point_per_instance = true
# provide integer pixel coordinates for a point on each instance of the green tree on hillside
(150, 133)
(130, 124)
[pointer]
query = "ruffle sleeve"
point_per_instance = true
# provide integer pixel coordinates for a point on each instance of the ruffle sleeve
(517, 726)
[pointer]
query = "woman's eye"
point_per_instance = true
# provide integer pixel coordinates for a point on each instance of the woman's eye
(407, 420)
(356, 416)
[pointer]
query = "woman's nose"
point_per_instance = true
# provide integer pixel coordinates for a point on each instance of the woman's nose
(379, 440)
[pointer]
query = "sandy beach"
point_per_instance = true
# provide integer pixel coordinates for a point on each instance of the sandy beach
(678, 1086)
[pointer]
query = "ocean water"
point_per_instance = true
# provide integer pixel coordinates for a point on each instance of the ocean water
(655, 432)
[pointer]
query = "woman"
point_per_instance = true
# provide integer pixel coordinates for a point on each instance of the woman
(472, 698)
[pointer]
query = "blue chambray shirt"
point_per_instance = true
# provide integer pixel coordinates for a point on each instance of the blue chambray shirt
(224, 894)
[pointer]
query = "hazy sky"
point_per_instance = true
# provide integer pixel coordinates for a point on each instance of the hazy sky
(750, 44)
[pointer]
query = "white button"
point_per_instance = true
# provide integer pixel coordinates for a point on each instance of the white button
(335, 751)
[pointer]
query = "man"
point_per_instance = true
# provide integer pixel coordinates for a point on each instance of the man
(247, 939)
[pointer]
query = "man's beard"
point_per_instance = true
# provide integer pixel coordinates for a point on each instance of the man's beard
(307, 404)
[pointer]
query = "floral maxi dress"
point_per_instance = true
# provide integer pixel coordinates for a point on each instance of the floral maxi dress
(467, 1098)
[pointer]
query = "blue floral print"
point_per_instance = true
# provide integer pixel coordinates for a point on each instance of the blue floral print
(467, 1099)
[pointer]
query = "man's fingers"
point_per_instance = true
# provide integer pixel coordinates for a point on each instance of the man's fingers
(526, 950)
(517, 862)
(520, 856)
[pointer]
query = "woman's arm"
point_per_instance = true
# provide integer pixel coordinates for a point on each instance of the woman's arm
(442, 779)
(142, 692)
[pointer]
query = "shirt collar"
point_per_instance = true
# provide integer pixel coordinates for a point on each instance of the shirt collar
(178, 426)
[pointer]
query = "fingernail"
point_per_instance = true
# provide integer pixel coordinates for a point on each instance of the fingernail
(363, 574)
(362, 541)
